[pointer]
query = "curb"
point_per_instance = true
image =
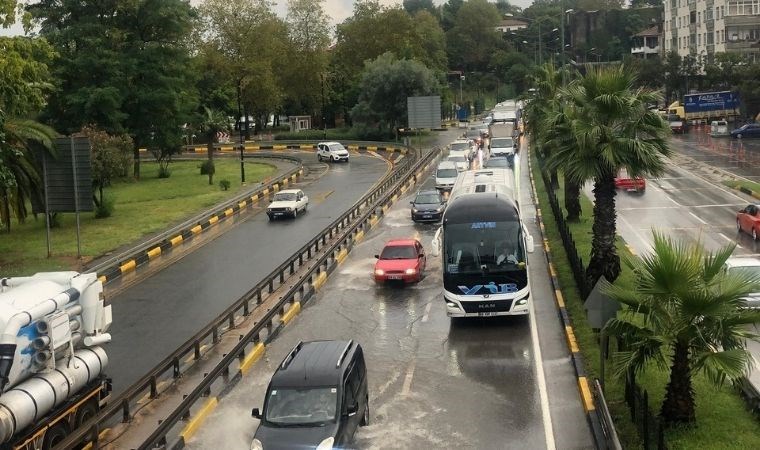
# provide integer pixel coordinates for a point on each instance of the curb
(259, 350)
(139, 258)
(584, 386)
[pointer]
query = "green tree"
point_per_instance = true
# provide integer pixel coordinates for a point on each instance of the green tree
(7, 13)
(111, 159)
(610, 128)
(749, 89)
(449, 12)
(672, 76)
(386, 83)
(415, 6)
(211, 123)
(546, 81)
(688, 313)
(474, 36)
(25, 79)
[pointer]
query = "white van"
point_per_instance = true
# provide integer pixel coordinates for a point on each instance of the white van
(446, 175)
(502, 146)
(719, 128)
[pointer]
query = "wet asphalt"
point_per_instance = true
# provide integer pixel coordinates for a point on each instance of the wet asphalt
(433, 382)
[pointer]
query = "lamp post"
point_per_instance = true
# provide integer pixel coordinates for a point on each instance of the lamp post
(562, 33)
(461, 99)
(240, 132)
(324, 124)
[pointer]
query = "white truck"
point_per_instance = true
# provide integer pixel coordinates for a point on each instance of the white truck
(51, 361)
(288, 203)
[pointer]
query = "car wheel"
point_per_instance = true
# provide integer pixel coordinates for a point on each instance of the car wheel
(336, 159)
(304, 207)
(319, 157)
(739, 136)
(365, 417)
(295, 213)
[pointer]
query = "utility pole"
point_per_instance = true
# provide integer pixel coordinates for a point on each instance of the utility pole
(324, 124)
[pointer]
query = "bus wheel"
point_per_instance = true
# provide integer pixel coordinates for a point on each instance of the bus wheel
(54, 436)
(85, 413)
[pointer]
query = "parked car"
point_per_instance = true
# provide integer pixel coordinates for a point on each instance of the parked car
(748, 221)
(317, 398)
(428, 206)
(288, 203)
(402, 260)
(749, 130)
(749, 264)
(629, 183)
(332, 151)
(446, 175)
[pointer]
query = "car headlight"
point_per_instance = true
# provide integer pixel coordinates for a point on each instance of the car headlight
(327, 444)
(440, 209)
(289, 208)
(415, 210)
(411, 271)
(379, 272)
(256, 445)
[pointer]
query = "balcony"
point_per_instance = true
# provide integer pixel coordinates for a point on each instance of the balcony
(645, 51)
(751, 21)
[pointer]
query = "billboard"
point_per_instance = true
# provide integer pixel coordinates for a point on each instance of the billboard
(72, 166)
(711, 101)
(424, 112)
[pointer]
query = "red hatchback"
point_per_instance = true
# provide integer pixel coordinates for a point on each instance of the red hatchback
(401, 260)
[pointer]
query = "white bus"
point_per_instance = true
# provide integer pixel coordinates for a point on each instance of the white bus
(484, 245)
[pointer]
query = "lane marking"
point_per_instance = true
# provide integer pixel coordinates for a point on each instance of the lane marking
(408, 378)
(292, 312)
(726, 238)
(255, 355)
(319, 281)
(637, 234)
(427, 312)
(542, 393)
(588, 400)
(697, 217)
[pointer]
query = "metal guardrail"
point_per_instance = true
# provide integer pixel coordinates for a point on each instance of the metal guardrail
(349, 222)
(611, 440)
(134, 252)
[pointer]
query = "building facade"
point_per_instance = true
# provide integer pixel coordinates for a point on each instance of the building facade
(701, 28)
(646, 44)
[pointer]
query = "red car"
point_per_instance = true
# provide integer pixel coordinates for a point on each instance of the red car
(401, 260)
(635, 184)
(748, 220)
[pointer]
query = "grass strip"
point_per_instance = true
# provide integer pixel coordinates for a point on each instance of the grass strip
(738, 184)
(723, 421)
(141, 208)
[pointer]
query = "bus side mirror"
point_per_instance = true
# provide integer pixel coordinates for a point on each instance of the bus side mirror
(529, 243)
(436, 245)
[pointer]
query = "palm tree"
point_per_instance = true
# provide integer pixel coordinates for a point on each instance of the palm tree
(609, 128)
(211, 123)
(20, 180)
(686, 312)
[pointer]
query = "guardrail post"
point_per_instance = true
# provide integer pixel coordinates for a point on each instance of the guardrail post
(126, 417)
(246, 308)
(175, 365)
(215, 334)
(153, 387)
(258, 297)
(282, 276)
(292, 267)
(197, 350)
(231, 320)
(271, 286)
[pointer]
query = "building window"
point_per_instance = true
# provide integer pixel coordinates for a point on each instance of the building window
(743, 7)
(692, 17)
(709, 14)
(710, 40)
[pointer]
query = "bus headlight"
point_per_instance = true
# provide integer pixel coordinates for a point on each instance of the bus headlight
(523, 301)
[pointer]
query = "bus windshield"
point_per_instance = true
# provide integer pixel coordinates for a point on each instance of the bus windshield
(483, 248)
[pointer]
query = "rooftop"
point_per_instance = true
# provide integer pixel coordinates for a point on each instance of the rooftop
(314, 364)
(651, 31)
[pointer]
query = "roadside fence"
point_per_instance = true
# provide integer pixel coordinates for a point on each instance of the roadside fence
(648, 425)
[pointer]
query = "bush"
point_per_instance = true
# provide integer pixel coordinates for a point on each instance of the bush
(164, 172)
(333, 134)
(372, 133)
(207, 167)
(104, 209)
(224, 184)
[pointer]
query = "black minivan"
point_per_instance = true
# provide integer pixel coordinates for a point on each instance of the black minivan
(317, 398)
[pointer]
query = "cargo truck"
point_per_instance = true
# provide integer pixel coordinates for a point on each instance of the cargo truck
(707, 106)
(52, 379)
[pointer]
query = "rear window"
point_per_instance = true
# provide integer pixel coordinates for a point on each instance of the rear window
(497, 162)
(459, 146)
(502, 142)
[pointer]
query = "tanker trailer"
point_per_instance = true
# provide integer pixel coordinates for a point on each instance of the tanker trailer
(52, 380)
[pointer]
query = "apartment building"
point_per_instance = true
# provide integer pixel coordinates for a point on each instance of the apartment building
(701, 28)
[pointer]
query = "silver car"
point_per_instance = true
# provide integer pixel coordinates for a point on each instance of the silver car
(749, 264)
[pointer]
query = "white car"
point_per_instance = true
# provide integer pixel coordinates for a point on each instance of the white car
(748, 264)
(446, 175)
(287, 203)
(461, 159)
(460, 145)
(332, 151)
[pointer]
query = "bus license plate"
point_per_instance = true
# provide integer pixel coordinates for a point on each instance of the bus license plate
(487, 314)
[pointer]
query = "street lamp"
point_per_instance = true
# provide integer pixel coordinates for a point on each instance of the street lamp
(461, 100)
(240, 132)
(562, 26)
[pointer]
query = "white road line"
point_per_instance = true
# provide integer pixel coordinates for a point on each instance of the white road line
(726, 238)
(638, 235)
(672, 200)
(697, 217)
(427, 312)
(542, 393)
(408, 378)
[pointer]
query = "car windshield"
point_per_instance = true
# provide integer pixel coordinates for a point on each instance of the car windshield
(457, 159)
(749, 270)
(497, 162)
(398, 252)
(502, 142)
(483, 247)
(302, 406)
(336, 147)
(284, 197)
(446, 173)
(458, 146)
(428, 198)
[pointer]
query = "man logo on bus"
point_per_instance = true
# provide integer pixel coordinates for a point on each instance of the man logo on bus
(492, 288)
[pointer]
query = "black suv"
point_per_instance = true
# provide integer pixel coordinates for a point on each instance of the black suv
(316, 399)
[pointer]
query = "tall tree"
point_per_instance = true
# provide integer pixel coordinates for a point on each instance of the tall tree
(610, 128)
(474, 36)
(385, 86)
(415, 6)
(211, 123)
(688, 313)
